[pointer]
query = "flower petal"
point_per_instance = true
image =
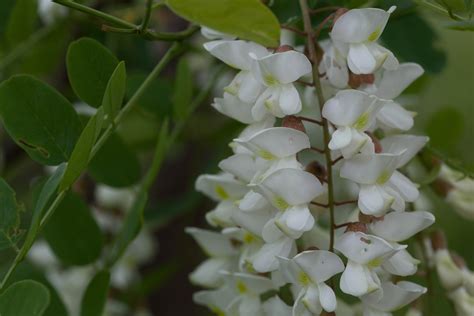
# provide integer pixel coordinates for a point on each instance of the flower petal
(370, 169)
(340, 138)
(290, 102)
(266, 259)
(393, 82)
(207, 273)
(221, 187)
(395, 296)
(234, 108)
(405, 145)
(242, 166)
(399, 226)
(401, 263)
(394, 116)
(327, 297)
(373, 200)
(360, 60)
(235, 53)
(319, 265)
(214, 244)
(354, 279)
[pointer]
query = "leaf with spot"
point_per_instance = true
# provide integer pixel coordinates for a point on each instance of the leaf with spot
(39, 119)
(89, 67)
(9, 216)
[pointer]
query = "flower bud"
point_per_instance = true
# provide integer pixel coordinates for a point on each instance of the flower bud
(293, 122)
(463, 302)
(450, 275)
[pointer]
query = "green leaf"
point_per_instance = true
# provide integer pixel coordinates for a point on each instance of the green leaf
(89, 67)
(94, 298)
(45, 195)
(39, 119)
(114, 93)
(247, 19)
(130, 228)
(411, 39)
(72, 232)
(82, 151)
(24, 298)
(457, 5)
(21, 23)
(115, 164)
(9, 217)
(461, 25)
(183, 90)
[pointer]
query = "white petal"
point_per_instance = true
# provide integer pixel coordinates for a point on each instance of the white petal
(234, 108)
(253, 201)
(254, 222)
(214, 244)
(373, 200)
(242, 166)
(218, 299)
(207, 273)
(394, 116)
(399, 226)
(365, 249)
(266, 259)
(276, 307)
(297, 217)
(401, 263)
(276, 142)
(299, 308)
(327, 297)
(360, 25)
(354, 279)
(360, 142)
(250, 305)
(290, 102)
(405, 145)
(254, 284)
(340, 138)
(395, 296)
(311, 300)
(250, 88)
(370, 169)
(360, 59)
(221, 187)
(393, 82)
(235, 53)
(281, 68)
(319, 265)
(271, 232)
(290, 187)
(212, 34)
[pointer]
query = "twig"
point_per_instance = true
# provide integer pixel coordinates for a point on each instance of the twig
(307, 119)
(335, 161)
(346, 202)
(319, 204)
(323, 9)
(293, 29)
(321, 151)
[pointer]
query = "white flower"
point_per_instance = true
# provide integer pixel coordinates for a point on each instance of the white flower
(389, 84)
(216, 300)
(391, 297)
(290, 191)
(265, 260)
(334, 66)
(277, 72)
(461, 196)
(365, 253)
(395, 227)
(235, 108)
(49, 11)
(352, 112)
(450, 275)
(249, 131)
(308, 271)
(248, 289)
(276, 307)
(221, 252)
(355, 34)
(463, 302)
(237, 55)
(212, 34)
(225, 189)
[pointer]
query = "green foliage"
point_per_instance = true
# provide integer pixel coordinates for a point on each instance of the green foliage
(130, 228)
(114, 92)
(183, 90)
(461, 25)
(456, 5)
(157, 97)
(115, 164)
(21, 23)
(247, 19)
(39, 119)
(94, 298)
(82, 151)
(9, 216)
(72, 232)
(49, 188)
(411, 39)
(24, 298)
(89, 67)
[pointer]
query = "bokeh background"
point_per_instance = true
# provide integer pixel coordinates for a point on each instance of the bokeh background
(443, 99)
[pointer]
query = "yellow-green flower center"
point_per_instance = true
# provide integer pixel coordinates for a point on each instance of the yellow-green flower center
(281, 203)
(362, 121)
(221, 193)
(384, 177)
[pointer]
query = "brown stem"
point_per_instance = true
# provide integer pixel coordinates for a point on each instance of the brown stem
(319, 204)
(293, 29)
(323, 9)
(321, 26)
(307, 119)
(317, 84)
(342, 225)
(321, 151)
(309, 84)
(337, 160)
(345, 202)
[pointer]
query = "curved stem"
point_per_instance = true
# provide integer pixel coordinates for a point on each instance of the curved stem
(319, 93)
(146, 19)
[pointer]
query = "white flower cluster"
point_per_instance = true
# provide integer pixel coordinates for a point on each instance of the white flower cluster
(266, 213)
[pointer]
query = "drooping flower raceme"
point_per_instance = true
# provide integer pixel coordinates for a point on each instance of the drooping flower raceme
(272, 220)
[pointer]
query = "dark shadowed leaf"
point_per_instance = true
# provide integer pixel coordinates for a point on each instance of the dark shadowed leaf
(89, 67)
(24, 298)
(114, 92)
(461, 25)
(183, 90)
(156, 98)
(72, 232)
(39, 119)
(94, 298)
(9, 216)
(21, 22)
